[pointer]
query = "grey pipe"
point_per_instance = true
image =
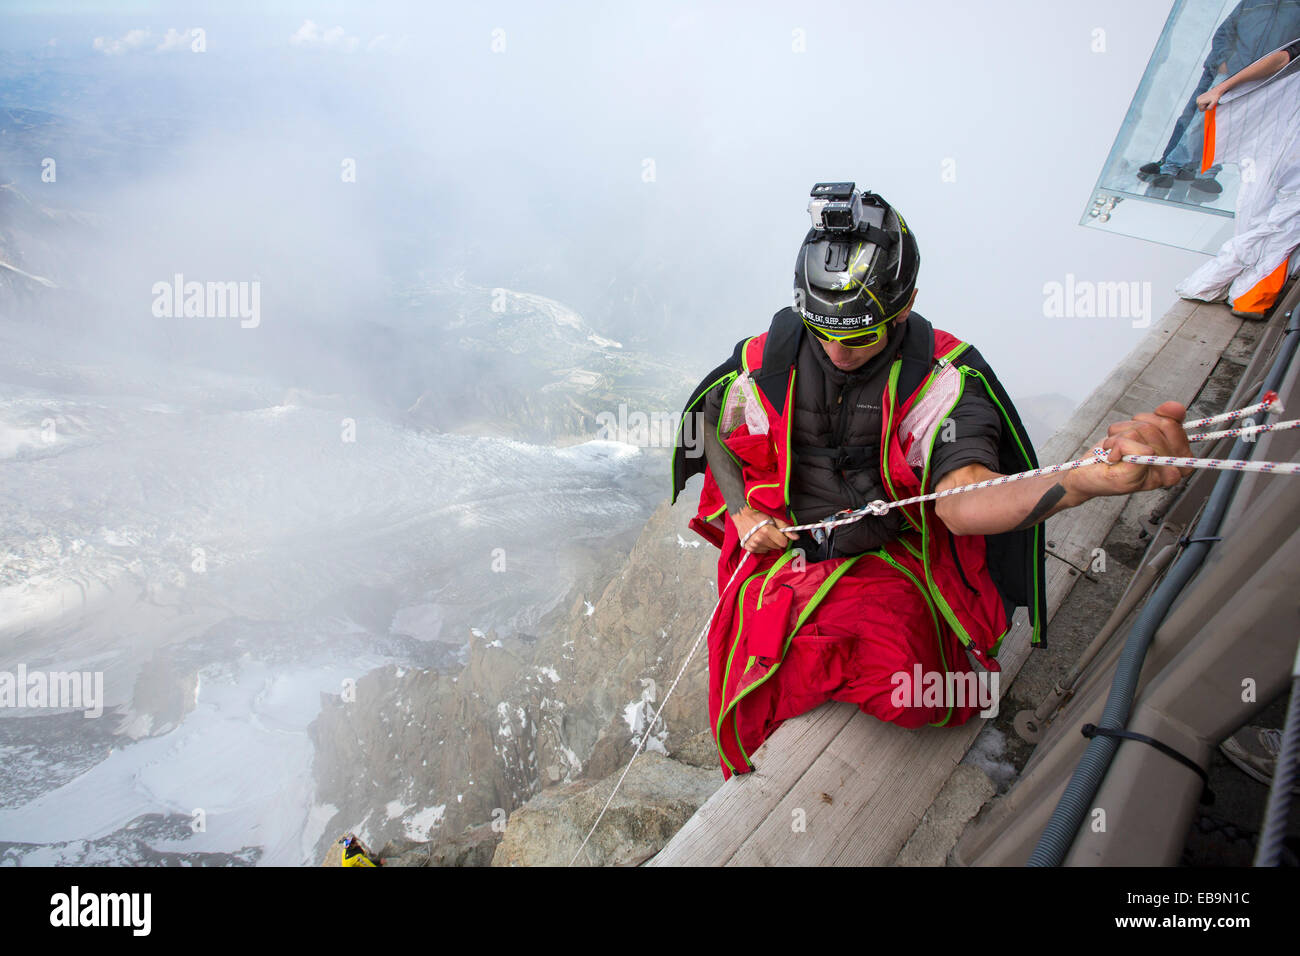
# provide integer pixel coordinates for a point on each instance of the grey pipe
(1079, 793)
(1137, 589)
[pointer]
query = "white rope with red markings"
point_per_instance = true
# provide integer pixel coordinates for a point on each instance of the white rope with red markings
(1270, 404)
(1099, 455)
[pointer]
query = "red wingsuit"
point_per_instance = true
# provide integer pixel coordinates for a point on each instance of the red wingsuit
(789, 635)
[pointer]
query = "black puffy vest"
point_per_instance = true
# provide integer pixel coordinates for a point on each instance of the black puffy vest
(835, 436)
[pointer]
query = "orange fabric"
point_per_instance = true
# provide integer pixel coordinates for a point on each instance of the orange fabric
(1207, 149)
(1264, 294)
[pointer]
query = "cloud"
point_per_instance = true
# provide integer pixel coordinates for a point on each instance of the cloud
(312, 36)
(131, 40)
(173, 41)
(176, 40)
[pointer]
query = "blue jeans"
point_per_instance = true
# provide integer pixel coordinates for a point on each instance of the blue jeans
(1185, 145)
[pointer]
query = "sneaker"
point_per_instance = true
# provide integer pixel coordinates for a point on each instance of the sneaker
(1147, 170)
(1254, 751)
(1211, 186)
(1184, 174)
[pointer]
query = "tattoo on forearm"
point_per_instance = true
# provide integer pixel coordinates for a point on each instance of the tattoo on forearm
(1045, 504)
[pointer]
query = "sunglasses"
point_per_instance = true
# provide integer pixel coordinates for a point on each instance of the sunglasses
(857, 340)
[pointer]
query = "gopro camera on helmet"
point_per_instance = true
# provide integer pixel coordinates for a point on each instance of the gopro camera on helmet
(835, 207)
(857, 266)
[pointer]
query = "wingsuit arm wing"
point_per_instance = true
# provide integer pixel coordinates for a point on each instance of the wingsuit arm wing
(689, 454)
(726, 470)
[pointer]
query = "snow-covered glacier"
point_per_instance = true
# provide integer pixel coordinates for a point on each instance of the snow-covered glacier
(224, 552)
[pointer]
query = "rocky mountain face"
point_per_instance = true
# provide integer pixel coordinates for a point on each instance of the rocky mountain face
(655, 800)
(28, 231)
(425, 755)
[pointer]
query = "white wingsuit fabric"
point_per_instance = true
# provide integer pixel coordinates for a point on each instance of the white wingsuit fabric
(1257, 127)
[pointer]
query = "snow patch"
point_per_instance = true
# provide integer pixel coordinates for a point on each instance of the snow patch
(318, 818)
(988, 753)
(638, 715)
(419, 825)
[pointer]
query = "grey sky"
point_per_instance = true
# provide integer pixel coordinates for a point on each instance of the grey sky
(528, 165)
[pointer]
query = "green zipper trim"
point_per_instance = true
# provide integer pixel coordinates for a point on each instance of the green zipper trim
(744, 353)
(1038, 528)
(717, 430)
(956, 350)
(672, 468)
(811, 606)
(762, 593)
(776, 566)
(945, 359)
(947, 610)
(768, 484)
(891, 409)
(891, 390)
(740, 629)
(934, 617)
(789, 423)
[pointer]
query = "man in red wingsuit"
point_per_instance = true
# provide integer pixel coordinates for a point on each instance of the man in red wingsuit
(852, 397)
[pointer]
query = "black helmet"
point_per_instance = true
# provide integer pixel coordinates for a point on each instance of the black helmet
(857, 266)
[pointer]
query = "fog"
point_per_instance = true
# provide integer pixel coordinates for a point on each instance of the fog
(531, 167)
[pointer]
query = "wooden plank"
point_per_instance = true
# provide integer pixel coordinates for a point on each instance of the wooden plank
(870, 768)
(1180, 369)
(1074, 535)
(711, 836)
(860, 786)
